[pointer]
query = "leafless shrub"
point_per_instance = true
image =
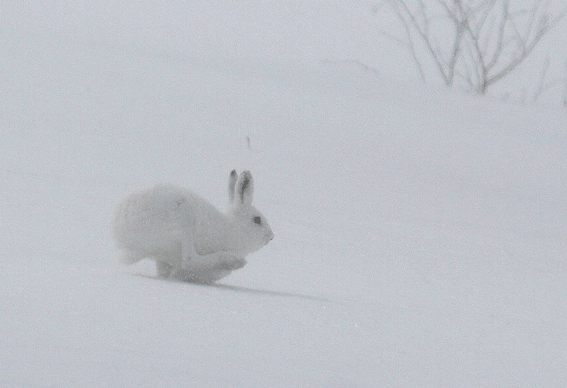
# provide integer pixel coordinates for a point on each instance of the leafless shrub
(544, 85)
(486, 40)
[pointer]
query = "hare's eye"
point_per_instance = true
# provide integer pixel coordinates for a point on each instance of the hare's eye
(258, 220)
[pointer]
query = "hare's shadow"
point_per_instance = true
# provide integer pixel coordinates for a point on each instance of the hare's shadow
(256, 291)
(245, 290)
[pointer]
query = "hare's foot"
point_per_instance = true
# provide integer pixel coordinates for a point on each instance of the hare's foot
(229, 261)
(171, 272)
(204, 277)
(163, 270)
(214, 261)
(128, 256)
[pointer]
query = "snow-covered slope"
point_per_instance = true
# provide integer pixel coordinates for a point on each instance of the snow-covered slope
(420, 235)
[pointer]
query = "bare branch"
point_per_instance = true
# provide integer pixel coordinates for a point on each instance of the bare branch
(526, 45)
(501, 32)
(409, 45)
(488, 41)
(459, 19)
(360, 64)
(541, 84)
(399, 41)
(420, 21)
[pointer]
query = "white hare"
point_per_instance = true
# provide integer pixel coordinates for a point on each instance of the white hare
(187, 237)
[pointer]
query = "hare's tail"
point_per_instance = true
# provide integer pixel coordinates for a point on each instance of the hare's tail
(127, 256)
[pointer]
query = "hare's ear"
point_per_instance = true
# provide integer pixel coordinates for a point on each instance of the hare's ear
(232, 185)
(245, 188)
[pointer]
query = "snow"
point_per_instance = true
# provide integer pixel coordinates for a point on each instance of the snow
(420, 234)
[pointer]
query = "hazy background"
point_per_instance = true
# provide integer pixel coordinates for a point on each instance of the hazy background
(420, 233)
(292, 30)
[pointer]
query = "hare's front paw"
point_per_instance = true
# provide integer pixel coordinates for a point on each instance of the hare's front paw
(230, 261)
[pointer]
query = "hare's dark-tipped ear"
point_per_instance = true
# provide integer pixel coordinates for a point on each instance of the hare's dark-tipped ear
(245, 188)
(232, 185)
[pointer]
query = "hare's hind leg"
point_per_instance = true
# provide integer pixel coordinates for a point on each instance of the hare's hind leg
(192, 261)
(129, 256)
(163, 270)
(171, 272)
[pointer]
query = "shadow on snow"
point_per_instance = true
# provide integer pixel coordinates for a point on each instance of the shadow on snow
(245, 290)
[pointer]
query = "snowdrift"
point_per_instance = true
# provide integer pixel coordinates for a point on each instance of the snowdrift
(420, 234)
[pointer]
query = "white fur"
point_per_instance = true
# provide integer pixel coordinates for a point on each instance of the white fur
(187, 237)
